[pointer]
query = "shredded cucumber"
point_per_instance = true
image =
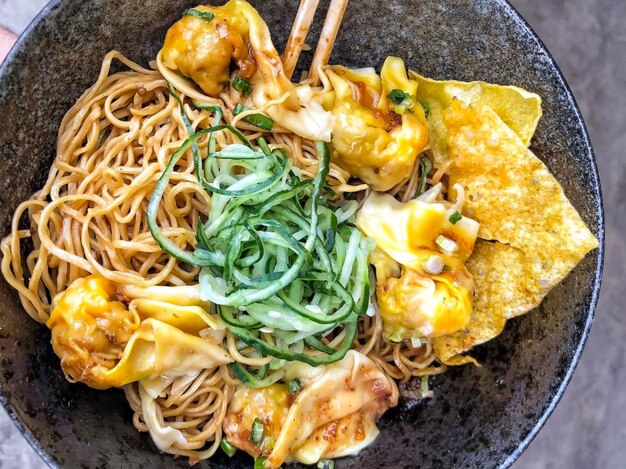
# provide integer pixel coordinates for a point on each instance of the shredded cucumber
(275, 254)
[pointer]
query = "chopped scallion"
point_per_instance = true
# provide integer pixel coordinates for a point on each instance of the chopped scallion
(398, 96)
(294, 386)
(402, 101)
(242, 85)
(416, 342)
(258, 120)
(205, 15)
(426, 107)
(446, 244)
(229, 449)
(455, 218)
(425, 167)
(326, 464)
(256, 434)
(259, 463)
(424, 391)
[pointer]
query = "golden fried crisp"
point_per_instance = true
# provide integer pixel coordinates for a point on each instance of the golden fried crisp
(538, 235)
(518, 108)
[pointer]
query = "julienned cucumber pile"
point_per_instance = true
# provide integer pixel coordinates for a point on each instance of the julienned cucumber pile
(287, 271)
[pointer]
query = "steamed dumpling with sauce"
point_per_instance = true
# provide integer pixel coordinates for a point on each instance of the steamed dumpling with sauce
(202, 46)
(104, 344)
(333, 415)
(422, 284)
(379, 129)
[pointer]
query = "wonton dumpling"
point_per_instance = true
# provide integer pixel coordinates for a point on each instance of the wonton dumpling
(347, 392)
(333, 415)
(370, 140)
(102, 344)
(430, 295)
(203, 50)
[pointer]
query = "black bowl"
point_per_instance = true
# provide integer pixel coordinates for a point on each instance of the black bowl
(479, 417)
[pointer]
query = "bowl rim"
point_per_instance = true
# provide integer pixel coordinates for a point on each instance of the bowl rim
(516, 17)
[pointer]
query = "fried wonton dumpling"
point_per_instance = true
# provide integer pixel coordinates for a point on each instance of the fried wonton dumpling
(533, 235)
(518, 108)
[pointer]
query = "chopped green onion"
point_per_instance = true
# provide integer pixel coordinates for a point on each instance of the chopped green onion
(402, 101)
(446, 244)
(268, 443)
(326, 464)
(229, 449)
(256, 434)
(259, 463)
(426, 107)
(425, 167)
(424, 391)
(242, 85)
(434, 265)
(294, 386)
(398, 96)
(205, 15)
(259, 120)
(416, 342)
(455, 218)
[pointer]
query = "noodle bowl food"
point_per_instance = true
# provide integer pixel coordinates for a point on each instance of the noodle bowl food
(267, 265)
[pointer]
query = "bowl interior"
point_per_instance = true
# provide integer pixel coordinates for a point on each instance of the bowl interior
(479, 417)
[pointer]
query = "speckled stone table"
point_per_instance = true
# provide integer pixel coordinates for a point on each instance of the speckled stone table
(587, 430)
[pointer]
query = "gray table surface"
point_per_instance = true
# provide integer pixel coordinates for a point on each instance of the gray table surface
(587, 430)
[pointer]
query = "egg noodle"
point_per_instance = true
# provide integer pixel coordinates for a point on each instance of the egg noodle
(265, 265)
(90, 218)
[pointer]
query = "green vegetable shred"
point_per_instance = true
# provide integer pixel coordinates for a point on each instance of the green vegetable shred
(275, 256)
(228, 449)
(455, 218)
(205, 15)
(242, 85)
(258, 120)
(425, 168)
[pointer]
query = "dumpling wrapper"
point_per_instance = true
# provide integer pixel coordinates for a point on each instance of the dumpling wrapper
(157, 348)
(539, 236)
(518, 108)
(349, 394)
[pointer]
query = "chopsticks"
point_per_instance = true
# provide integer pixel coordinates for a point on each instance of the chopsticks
(326, 42)
(300, 30)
